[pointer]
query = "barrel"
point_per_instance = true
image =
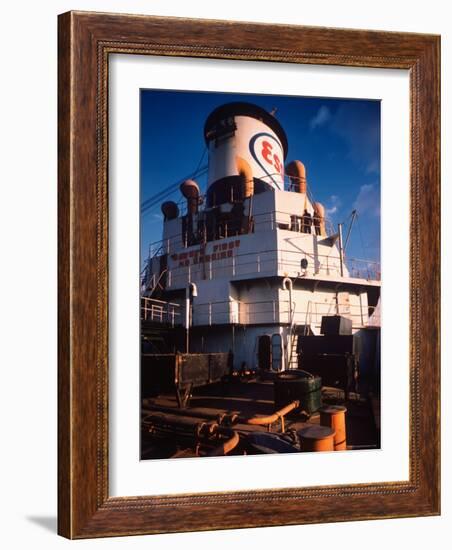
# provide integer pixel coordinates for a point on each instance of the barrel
(333, 416)
(297, 384)
(316, 438)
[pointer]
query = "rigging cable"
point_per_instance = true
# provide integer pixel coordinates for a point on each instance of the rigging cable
(152, 201)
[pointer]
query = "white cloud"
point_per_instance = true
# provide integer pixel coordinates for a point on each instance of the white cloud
(373, 167)
(321, 117)
(368, 200)
(333, 205)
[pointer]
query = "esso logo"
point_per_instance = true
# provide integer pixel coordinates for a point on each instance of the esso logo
(270, 157)
(267, 152)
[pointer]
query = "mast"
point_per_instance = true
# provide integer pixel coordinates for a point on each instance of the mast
(341, 249)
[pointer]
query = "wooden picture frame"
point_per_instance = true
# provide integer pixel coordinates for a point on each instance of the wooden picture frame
(86, 40)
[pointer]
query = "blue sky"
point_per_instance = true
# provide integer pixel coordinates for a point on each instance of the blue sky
(338, 140)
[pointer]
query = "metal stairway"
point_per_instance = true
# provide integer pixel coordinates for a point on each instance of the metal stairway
(296, 331)
(157, 282)
(293, 356)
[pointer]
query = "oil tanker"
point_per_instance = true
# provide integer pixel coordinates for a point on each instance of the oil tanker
(252, 274)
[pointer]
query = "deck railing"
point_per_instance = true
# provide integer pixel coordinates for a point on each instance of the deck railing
(274, 219)
(159, 311)
(270, 262)
(256, 312)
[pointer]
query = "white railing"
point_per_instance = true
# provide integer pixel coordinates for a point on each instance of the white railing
(278, 312)
(160, 311)
(271, 220)
(270, 263)
(256, 312)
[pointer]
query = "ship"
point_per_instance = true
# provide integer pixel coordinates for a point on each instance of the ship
(251, 281)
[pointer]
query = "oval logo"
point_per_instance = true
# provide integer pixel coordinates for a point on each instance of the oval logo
(267, 152)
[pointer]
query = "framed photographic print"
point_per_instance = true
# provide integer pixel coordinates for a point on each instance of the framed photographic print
(248, 275)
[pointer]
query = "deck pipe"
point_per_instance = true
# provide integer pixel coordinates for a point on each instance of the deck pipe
(220, 418)
(195, 420)
(191, 291)
(269, 420)
(226, 446)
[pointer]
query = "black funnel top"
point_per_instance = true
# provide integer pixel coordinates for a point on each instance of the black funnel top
(245, 109)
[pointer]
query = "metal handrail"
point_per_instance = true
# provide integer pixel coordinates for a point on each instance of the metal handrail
(176, 241)
(275, 311)
(264, 262)
(154, 246)
(159, 311)
(241, 312)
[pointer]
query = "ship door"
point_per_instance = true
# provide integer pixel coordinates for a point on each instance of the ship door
(264, 352)
(276, 352)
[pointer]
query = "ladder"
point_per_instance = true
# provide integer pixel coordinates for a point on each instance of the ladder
(293, 356)
(296, 331)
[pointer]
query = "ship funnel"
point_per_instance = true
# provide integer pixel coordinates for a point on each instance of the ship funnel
(246, 178)
(170, 210)
(190, 190)
(297, 174)
(250, 132)
(319, 219)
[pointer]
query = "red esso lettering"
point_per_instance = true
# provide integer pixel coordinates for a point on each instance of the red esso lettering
(277, 164)
(266, 151)
(271, 159)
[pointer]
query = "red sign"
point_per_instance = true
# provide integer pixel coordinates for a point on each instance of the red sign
(220, 252)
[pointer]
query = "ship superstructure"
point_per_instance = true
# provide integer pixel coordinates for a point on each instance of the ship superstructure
(253, 264)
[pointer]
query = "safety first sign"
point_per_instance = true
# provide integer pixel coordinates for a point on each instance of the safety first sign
(200, 255)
